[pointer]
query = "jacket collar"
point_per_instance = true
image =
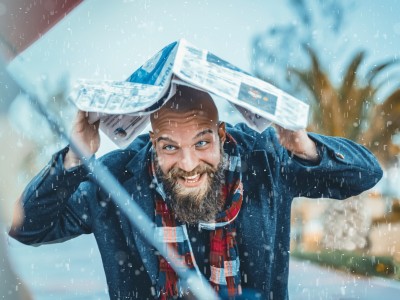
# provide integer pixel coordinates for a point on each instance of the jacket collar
(139, 187)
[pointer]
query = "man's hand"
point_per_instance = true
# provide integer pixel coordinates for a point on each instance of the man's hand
(85, 136)
(298, 143)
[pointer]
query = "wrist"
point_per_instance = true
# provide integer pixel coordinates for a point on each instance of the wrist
(309, 152)
(71, 160)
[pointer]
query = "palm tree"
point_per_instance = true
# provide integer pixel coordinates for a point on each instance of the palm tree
(352, 110)
(352, 107)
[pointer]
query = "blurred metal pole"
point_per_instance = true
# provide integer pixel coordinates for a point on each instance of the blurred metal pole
(11, 286)
(198, 285)
(9, 89)
(32, 20)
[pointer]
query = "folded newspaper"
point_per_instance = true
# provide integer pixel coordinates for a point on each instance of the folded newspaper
(124, 107)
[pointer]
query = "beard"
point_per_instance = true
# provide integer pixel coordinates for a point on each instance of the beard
(194, 204)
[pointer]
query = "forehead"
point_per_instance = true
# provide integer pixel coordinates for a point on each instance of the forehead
(185, 115)
(175, 123)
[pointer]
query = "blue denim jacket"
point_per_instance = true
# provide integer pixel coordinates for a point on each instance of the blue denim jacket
(60, 205)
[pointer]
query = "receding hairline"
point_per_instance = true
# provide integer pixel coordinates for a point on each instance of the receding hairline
(185, 100)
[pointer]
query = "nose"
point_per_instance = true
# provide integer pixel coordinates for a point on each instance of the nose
(188, 160)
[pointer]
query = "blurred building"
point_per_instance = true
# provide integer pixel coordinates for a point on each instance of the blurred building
(369, 223)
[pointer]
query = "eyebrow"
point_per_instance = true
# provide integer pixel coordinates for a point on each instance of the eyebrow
(166, 139)
(201, 133)
(204, 132)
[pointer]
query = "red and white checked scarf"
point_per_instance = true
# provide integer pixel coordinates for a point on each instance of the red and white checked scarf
(224, 254)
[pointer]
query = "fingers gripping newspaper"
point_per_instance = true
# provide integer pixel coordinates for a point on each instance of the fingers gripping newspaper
(124, 107)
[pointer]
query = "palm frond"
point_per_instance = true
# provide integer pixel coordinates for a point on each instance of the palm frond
(326, 97)
(307, 80)
(385, 123)
(376, 70)
(350, 77)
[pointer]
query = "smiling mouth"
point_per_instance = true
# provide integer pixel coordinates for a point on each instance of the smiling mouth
(192, 179)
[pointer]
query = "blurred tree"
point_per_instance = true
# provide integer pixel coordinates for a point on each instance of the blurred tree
(352, 108)
(351, 102)
(350, 105)
(315, 23)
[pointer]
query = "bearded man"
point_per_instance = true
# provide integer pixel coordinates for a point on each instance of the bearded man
(219, 195)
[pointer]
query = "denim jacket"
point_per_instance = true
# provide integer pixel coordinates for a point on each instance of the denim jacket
(61, 204)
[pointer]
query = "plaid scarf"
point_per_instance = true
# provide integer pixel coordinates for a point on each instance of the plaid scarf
(224, 254)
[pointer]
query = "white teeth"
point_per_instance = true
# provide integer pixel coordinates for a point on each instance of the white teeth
(193, 178)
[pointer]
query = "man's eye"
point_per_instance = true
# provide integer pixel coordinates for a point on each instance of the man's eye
(201, 144)
(169, 148)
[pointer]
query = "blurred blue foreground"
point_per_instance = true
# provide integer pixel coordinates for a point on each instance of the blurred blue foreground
(73, 270)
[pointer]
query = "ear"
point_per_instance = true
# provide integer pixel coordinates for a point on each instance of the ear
(151, 133)
(222, 132)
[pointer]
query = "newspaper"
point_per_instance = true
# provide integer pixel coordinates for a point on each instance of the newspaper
(124, 107)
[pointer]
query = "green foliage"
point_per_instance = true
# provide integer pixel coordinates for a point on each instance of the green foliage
(353, 262)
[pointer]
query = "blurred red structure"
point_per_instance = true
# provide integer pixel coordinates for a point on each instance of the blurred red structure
(23, 22)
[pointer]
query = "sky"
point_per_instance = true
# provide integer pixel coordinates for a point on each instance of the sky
(110, 39)
(103, 39)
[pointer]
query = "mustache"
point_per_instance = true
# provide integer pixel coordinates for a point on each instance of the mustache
(193, 205)
(200, 169)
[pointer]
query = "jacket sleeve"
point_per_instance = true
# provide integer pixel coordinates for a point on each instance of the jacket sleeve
(60, 204)
(54, 204)
(345, 169)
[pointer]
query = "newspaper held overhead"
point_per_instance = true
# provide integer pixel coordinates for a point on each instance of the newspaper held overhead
(124, 106)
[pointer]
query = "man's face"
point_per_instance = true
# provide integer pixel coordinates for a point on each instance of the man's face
(188, 145)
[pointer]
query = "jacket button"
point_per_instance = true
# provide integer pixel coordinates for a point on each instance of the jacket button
(339, 155)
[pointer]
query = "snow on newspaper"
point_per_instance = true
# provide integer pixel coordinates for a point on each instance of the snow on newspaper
(124, 107)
